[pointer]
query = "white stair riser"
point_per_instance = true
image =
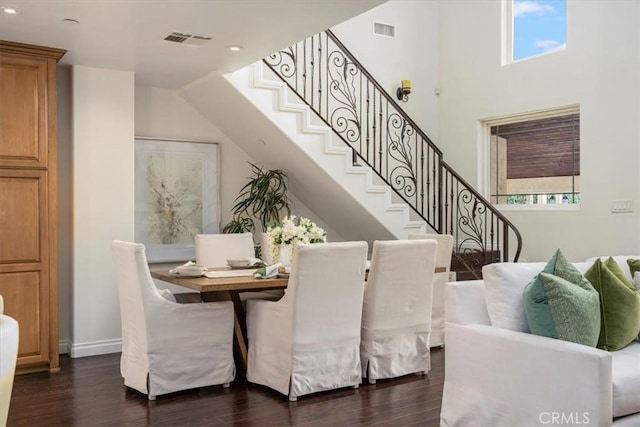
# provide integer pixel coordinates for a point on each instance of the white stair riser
(321, 144)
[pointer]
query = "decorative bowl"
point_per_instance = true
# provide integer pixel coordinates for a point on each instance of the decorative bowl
(238, 262)
(190, 270)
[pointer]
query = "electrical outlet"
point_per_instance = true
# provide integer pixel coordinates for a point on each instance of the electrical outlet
(620, 206)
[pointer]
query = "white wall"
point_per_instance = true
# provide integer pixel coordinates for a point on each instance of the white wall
(102, 201)
(598, 70)
(64, 205)
(412, 54)
(162, 113)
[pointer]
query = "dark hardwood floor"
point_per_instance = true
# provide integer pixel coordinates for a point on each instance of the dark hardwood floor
(90, 392)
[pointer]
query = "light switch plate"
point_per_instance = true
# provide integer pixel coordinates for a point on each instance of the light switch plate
(620, 206)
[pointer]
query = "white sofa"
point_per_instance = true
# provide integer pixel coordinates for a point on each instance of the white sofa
(8, 356)
(498, 374)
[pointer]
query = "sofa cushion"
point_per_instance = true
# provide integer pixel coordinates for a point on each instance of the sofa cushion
(619, 305)
(625, 371)
(560, 303)
(504, 283)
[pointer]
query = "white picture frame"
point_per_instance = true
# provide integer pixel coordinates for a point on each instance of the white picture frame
(177, 195)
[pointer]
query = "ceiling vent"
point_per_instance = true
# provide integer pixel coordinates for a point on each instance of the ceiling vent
(384, 30)
(187, 38)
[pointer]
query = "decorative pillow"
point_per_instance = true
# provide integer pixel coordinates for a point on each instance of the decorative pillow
(560, 303)
(619, 305)
(503, 284)
(634, 266)
(622, 263)
(636, 279)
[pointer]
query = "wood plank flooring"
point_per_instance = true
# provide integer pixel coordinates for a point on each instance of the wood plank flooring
(90, 392)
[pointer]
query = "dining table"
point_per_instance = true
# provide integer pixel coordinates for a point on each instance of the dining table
(226, 284)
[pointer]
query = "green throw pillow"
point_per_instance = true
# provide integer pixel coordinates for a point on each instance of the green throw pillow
(634, 265)
(619, 305)
(560, 303)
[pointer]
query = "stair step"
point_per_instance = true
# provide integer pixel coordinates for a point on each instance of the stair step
(474, 259)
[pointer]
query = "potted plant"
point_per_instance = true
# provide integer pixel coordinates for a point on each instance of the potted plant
(262, 199)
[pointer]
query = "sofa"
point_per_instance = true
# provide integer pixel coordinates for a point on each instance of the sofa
(8, 357)
(499, 374)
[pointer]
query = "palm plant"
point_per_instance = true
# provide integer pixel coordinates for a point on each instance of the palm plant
(261, 199)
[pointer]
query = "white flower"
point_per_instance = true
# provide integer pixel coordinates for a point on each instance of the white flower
(289, 232)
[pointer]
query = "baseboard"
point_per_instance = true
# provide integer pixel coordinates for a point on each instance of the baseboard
(64, 346)
(95, 348)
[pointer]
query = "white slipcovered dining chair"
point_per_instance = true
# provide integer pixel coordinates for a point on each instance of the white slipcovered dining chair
(396, 315)
(166, 346)
(9, 338)
(309, 340)
(443, 259)
(213, 250)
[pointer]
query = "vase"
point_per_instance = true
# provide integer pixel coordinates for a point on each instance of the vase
(285, 255)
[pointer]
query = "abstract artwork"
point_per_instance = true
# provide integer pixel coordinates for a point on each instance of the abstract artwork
(176, 196)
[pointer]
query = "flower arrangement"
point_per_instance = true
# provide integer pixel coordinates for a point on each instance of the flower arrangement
(290, 231)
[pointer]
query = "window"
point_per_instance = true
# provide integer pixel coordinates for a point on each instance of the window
(535, 160)
(533, 27)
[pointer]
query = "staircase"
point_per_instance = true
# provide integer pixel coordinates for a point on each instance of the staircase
(318, 141)
(330, 80)
(343, 128)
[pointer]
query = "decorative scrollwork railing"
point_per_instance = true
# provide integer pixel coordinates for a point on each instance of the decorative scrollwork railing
(328, 78)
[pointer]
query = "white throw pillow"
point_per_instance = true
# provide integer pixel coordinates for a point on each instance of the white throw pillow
(504, 284)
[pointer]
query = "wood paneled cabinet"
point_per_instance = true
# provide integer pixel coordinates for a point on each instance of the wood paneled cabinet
(28, 200)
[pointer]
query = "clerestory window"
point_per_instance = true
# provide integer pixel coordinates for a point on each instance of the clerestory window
(533, 27)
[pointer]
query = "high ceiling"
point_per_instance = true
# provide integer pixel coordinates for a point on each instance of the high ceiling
(129, 34)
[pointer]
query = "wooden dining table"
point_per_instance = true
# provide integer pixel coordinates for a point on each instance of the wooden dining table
(228, 289)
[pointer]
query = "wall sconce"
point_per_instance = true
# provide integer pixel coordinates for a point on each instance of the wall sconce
(403, 91)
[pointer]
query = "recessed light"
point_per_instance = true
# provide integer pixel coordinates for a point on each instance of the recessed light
(71, 21)
(10, 10)
(234, 47)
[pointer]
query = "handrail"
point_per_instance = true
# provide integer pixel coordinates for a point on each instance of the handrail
(364, 71)
(333, 83)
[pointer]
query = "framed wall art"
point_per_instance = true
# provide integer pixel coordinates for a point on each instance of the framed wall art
(176, 196)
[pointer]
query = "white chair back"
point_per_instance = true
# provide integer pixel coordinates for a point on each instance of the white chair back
(398, 293)
(213, 250)
(9, 336)
(443, 259)
(325, 290)
(445, 247)
(396, 316)
(133, 280)
(309, 340)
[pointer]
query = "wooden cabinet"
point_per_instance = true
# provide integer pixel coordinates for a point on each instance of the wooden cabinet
(28, 200)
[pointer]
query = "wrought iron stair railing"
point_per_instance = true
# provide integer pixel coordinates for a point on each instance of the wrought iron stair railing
(328, 78)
